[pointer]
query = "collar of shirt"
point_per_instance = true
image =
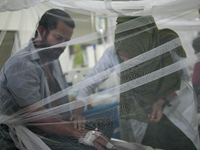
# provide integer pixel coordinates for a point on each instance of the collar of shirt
(33, 51)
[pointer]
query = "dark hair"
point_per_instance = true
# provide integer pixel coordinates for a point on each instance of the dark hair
(196, 43)
(51, 17)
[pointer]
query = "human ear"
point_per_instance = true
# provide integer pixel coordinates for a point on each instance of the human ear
(41, 32)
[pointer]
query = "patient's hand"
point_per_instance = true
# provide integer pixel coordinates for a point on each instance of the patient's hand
(96, 139)
(157, 112)
(79, 122)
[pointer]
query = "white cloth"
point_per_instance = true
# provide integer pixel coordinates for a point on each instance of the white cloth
(24, 138)
(183, 113)
(123, 145)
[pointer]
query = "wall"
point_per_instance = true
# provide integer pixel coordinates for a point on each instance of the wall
(25, 23)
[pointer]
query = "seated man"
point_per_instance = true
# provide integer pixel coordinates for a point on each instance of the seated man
(28, 79)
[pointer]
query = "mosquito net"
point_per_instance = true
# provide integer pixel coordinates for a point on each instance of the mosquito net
(92, 74)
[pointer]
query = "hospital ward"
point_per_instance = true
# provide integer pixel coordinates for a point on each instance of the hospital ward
(99, 74)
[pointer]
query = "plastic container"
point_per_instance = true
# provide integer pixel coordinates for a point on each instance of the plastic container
(68, 79)
(77, 77)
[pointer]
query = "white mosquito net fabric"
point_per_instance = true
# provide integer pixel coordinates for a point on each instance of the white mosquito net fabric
(131, 68)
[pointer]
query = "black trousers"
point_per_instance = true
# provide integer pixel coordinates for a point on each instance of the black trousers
(165, 135)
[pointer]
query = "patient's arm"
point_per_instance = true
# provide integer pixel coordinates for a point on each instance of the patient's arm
(52, 124)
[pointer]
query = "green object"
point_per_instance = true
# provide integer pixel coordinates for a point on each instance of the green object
(137, 103)
(78, 60)
(125, 19)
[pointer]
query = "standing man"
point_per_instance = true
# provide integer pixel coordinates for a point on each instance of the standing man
(33, 74)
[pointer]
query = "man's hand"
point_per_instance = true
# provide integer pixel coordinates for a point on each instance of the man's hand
(157, 113)
(96, 139)
(77, 116)
(79, 122)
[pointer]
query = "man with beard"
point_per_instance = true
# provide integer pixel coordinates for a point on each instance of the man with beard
(33, 74)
